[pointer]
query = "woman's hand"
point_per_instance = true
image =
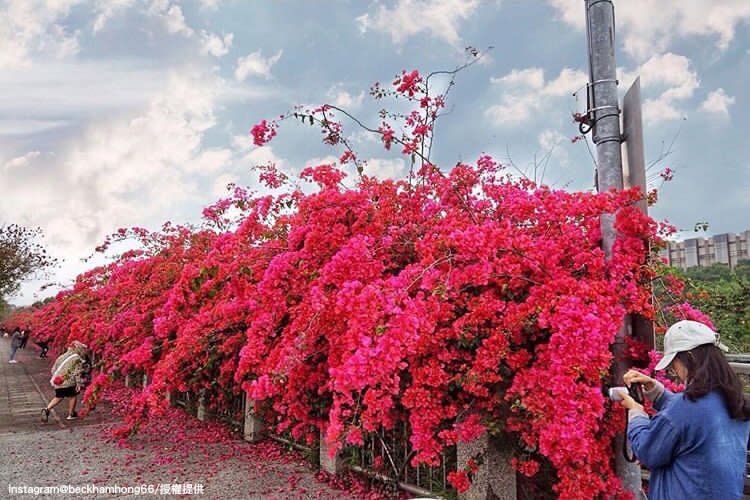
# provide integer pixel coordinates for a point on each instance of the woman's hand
(633, 376)
(629, 402)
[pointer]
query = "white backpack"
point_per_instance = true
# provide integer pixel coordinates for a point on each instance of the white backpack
(61, 369)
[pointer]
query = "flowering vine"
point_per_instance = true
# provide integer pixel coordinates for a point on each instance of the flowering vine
(456, 302)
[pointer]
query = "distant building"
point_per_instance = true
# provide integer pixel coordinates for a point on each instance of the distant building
(701, 252)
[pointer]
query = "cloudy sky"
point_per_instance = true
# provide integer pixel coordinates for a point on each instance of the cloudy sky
(133, 112)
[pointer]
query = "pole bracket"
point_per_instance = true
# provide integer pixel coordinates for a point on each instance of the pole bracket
(601, 1)
(611, 138)
(603, 80)
(599, 108)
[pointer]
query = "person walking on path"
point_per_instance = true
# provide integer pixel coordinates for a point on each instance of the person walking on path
(696, 445)
(15, 343)
(44, 346)
(25, 338)
(67, 374)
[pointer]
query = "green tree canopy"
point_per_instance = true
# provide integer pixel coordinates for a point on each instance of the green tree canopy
(724, 294)
(22, 256)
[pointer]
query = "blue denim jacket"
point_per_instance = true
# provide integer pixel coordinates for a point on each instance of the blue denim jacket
(693, 449)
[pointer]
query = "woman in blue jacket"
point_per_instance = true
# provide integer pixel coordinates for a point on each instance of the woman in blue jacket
(696, 445)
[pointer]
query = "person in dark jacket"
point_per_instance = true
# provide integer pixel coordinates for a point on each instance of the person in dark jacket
(696, 445)
(24, 338)
(44, 346)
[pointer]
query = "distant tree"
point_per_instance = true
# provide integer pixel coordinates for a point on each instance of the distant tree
(723, 294)
(5, 309)
(719, 272)
(22, 256)
(742, 269)
(712, 273)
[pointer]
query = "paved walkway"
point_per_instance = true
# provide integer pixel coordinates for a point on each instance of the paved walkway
(25, 387)
(18, 390)
(74, 453)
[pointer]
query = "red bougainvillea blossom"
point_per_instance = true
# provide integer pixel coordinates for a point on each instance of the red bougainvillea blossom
(263, 132)
(407, 82)
(344, 310)
(453, 303)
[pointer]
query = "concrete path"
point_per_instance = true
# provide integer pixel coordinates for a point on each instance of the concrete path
(25, 387)
(75, 453)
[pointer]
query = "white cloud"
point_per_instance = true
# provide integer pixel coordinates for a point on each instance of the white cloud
(219, 188)
(243, 142)
(718, 102)
(263, 155)
(648, 27)
(359, 136)
(107, 9)
(141, 165)
(21, 161)
(572, 13)
(30, 27)
(16, 127)
(175, 21)
(567, 82)
(209, 4)
(529, 77)
(255, 64)
(211, 160)
(670, 78)
(551, 149)
(214, 44)
(70, 94)
(343, 99)
(672, 71)
(65, 88)
(385, 168)
(122, 171)
(134, 155)
(319, 160)
(438, 18)
(168, 12)
(659, 110)
(550, 139)
(525, 92)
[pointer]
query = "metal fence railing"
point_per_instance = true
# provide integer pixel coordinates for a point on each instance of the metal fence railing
(287, 439)
(738, 358)
(187, 400)
(740, 368)
(233, 412)
(387, 454)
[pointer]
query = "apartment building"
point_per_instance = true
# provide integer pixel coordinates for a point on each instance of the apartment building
(724, 248)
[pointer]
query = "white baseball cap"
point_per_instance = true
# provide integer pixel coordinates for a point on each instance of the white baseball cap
(685, 335)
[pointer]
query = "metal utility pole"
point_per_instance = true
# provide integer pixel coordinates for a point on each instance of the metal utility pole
(604, 111)
(604, 117)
